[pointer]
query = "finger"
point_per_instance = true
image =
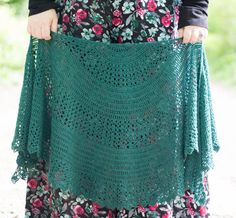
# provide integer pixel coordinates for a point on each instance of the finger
(204, 33)
(33, 31)
(54, 24)
(180, 33)
(46, 32)
(187, 35)
(195, 36)
(37, 31)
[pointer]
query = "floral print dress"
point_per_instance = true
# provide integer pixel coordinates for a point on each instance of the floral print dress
(111, 21)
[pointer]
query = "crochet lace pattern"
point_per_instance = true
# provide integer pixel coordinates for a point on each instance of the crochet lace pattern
(122, 124)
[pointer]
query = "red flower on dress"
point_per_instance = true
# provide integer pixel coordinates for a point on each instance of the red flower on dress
(64, 27)
(81, 14)
(32, 183)
(150, 39)
(95, 207)
(116, 21)
(35, 211)
(78, 210)
(141, 208)
(109, 213)
(190, 210)
(165, 20)
(46, 187)
(203, 211)
(44, 176)
(66, 18)
(120, 39)
(97, 28)
(167, 215)
(154, 207)
(151, 5)
(37, 203)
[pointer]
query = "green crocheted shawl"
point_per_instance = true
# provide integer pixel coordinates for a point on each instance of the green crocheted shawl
(122, 124)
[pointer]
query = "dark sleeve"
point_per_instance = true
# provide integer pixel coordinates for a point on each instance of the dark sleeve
(193, 12)
(37, 6)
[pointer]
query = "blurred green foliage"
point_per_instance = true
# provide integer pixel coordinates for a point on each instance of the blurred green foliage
(13, 39)
(15, 5)
(220, 43)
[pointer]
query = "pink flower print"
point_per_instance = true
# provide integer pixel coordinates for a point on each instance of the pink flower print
(205, 180)
(65, 18)
(140, 11)
(35, 211)
(78, 21)
(151, 5)
(165, 20)
(53, 214)
(81, 14)
(64, 27)
(168, 15)
(50, 200)
(37, 203)
(154, 207)
(32, 183)
(141, 208)
(190, 210)
(120, 39)
(44, 176)
(177, 10)
(203, 211)
(109, 213)
(97, 29)
(46, 187)
(117, 13)
(150, 39)
(170, 213)
(166, 215)
(78, 210)
(74, 3)
(190, 199)
(176, 18)
(95, 207)
(116, 21)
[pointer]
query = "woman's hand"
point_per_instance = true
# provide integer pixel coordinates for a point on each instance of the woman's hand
(192, 33)
(40, 24)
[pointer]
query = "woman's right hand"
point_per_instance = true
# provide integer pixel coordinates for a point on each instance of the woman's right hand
(40, 24)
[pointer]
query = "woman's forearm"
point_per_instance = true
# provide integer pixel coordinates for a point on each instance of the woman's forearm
(193, 12)
(37, 6)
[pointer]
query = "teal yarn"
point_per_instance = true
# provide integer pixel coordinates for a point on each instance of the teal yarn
(122, 124)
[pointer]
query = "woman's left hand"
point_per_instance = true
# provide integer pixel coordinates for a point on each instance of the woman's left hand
(192, 33)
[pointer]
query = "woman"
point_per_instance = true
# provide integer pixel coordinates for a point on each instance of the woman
(113, 22)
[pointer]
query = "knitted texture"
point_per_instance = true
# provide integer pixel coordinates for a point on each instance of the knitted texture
(122, 124)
